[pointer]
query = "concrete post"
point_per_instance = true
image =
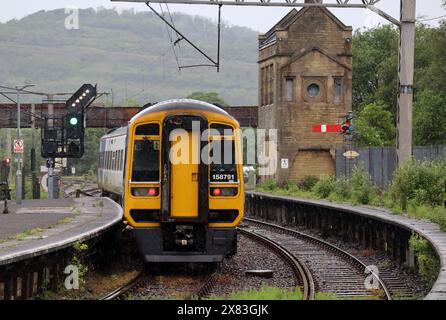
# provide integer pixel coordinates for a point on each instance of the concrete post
(405, 80)
(34, 181)
(50, 161)
(18, 175)
(8, 151)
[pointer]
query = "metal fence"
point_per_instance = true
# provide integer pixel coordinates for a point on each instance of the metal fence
(381, 162)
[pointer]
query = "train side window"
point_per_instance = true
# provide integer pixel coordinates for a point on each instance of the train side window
(118, 165)
(121, 156)
(106, 160)
(223, 161)
(149, 129)
(120, 160)
(145, 166)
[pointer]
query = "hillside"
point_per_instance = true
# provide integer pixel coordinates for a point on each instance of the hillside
(129, 53)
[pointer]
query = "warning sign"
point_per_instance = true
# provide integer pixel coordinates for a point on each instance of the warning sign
(18, 146)
(284, 164)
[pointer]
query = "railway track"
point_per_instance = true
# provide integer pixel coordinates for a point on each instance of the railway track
(301, 273)
(334, 270)
(196, 289)
(80, 187)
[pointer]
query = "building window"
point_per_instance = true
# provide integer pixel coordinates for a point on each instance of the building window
(270, 85)
(313, 90)
(267, 85)
(337, 87)
(289, 89)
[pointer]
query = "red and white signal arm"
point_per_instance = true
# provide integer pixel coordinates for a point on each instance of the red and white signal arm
(327, 128)
(18, 146)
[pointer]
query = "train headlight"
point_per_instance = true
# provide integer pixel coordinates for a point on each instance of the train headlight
(224, 192)
(145, 192)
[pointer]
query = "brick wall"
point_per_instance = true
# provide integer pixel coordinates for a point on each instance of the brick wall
(310, 46)
(312, 163)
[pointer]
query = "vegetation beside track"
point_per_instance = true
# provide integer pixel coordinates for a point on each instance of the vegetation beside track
(417, 190)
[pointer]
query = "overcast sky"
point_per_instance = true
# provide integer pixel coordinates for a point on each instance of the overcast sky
(260, 19)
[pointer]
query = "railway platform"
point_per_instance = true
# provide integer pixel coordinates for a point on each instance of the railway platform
(38, 227)
(375, 228)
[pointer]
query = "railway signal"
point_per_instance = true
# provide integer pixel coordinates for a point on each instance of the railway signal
(63, 136)
(76, 106)
(74, 121)
(347, 128)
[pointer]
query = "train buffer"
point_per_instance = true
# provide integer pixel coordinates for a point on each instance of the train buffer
(38, 227)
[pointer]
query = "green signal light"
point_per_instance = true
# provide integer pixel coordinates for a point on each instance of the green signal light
(74, 121)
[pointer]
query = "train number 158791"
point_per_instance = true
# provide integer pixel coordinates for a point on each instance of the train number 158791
(223, 177)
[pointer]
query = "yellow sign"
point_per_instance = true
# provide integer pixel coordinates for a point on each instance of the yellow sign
(351, 154)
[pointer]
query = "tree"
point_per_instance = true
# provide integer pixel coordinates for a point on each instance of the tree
(210, 97)
(430, 118)
(375, 56)
(375, 126)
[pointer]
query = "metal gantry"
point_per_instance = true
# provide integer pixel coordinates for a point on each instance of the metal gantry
(269, 3)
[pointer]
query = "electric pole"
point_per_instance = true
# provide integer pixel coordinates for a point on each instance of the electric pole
(405, 80)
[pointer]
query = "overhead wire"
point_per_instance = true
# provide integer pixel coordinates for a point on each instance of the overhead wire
(431, 19)
(171, 39)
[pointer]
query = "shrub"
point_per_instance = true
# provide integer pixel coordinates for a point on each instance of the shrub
(422, 181)
(268, 185)
(324, 187)
(308, 182)
(427, 261)
(343, 190)
(363, 189)
(291, 187)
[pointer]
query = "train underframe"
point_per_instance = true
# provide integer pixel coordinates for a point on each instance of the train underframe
(185, 243)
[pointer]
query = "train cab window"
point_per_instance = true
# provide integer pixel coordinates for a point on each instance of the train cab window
(150, 129)
(223, 165)
(145, 166)
(221, 129)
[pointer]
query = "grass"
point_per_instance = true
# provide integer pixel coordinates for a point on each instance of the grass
(274, 293)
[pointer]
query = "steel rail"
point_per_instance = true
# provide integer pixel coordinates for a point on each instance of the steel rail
(332, 248)
(116, 294)
(300, 270)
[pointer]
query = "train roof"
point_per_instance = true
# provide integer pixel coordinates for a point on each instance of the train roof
(115, 132)
(181, 104)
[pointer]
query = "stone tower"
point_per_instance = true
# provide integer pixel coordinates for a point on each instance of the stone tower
(305, 78)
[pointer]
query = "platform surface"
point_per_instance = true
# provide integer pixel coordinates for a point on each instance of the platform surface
(41, 226)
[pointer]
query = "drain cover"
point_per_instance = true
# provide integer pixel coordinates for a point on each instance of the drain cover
(260, 273)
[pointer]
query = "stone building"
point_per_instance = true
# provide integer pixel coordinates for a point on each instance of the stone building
(305, 78)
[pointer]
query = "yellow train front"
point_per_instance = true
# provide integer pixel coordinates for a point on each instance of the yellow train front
(183, 181)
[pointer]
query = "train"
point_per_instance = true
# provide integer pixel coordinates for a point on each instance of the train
(177, 171)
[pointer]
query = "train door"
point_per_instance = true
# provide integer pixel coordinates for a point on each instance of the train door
(185, 178)
(184, 174)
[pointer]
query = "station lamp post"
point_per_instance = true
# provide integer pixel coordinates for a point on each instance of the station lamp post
(18, 184)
